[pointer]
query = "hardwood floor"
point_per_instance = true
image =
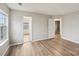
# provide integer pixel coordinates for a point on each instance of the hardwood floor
(26, 38)
(50, 47)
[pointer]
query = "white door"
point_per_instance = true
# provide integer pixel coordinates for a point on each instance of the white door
(50, 28)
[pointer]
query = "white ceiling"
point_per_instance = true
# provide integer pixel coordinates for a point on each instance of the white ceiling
(46, 8)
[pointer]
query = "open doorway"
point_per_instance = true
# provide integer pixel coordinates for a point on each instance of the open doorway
(58, 26)
(55, 31)
(58, 33)
(27, 29)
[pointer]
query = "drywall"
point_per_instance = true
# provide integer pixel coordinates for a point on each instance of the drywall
(71, 27)
(39, 26)
(5, 46)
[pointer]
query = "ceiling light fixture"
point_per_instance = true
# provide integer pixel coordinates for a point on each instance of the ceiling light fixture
(20, 4)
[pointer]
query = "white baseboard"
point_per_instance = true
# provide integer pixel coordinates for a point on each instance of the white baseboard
(15, 44)
(41, 39)
(5, 52)
(69, 40)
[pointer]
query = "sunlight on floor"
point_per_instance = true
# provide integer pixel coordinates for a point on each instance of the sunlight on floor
(26, 38)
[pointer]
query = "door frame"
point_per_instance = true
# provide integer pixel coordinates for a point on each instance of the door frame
(30, 28)
(60, 25)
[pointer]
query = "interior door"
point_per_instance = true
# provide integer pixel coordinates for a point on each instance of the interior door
(50, 28)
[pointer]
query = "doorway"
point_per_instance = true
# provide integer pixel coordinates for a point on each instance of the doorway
(58, 33)
(57, 26)
(27, 29)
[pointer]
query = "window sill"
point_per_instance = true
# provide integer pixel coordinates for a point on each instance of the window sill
(3, 42)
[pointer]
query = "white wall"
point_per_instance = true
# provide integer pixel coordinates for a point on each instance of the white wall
(39, 25)
(71, 27)
(4, 46)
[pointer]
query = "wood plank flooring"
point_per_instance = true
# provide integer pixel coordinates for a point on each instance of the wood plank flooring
(26, 37)
(50, 47)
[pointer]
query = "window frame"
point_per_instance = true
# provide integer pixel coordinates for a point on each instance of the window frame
(6, 24)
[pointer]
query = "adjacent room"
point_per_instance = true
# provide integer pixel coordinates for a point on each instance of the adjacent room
(39, 29)
(27, 28)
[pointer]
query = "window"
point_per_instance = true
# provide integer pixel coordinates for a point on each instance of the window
(3, 27)
(26, 25)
